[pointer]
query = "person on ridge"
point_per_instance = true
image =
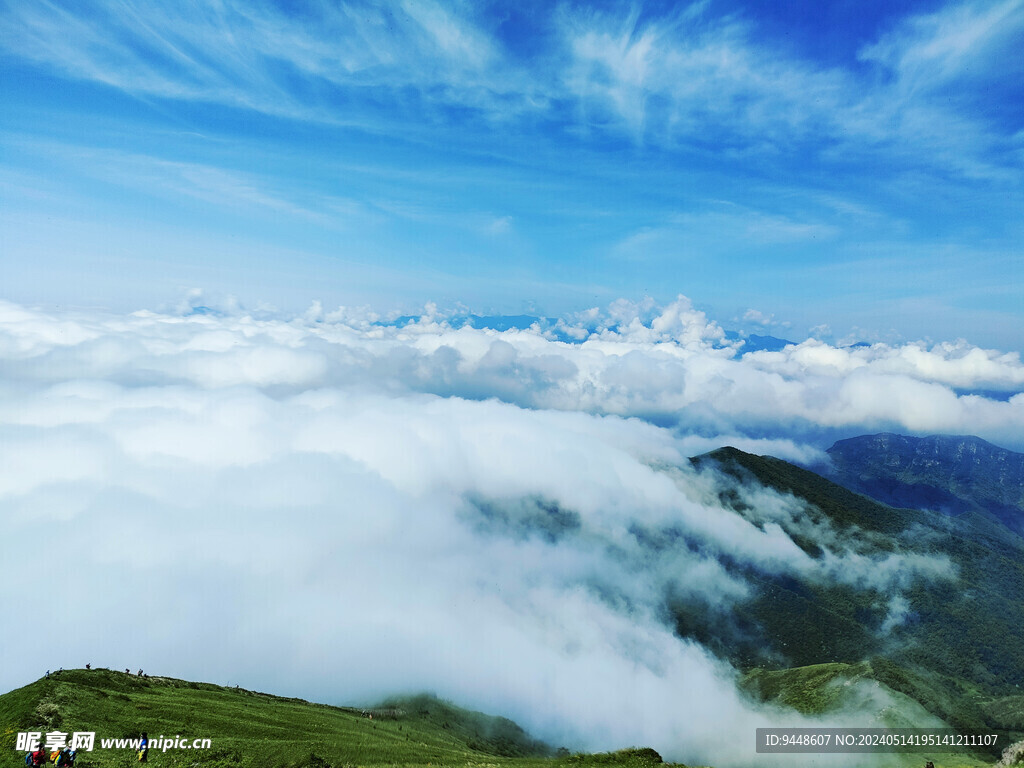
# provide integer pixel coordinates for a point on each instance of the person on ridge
(39, 757)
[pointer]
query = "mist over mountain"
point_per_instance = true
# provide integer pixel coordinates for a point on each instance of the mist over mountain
(948, 473)
(941, 639)
(343, 509)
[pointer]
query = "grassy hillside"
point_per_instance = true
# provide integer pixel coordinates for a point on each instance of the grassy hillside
(821, 689)
(257, 729)
(812, 690)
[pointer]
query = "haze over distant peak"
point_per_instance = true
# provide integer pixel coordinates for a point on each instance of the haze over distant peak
(949, 473)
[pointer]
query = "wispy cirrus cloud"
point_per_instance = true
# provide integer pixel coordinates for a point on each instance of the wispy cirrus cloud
(958, 42)
(702, 81)
(672, 79)
(249, 55)
(691, 78)
(607, 151)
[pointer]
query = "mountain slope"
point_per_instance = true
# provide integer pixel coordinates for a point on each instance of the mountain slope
(253, 729)
(952, 642)
(951, 474)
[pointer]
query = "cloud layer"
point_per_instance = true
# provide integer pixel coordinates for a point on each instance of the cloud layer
(668, 365)
(337, 508)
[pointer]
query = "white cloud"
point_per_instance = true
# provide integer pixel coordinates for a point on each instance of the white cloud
(899, 612)
(758, 317)
(668, 364)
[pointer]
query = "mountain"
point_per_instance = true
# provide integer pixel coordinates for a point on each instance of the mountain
(953, 475)
(247, 728)
(753, 342)
(951, 642)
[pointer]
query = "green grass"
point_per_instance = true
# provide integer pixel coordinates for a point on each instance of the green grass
(811, 690)
(823, 689)
(250, 729)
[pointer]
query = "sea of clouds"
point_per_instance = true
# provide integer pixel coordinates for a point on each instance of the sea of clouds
(342, 508)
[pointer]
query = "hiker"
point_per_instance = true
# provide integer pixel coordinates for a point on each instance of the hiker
(140, 673)
(39, 757)
(127, 671)
(88, 666)
(63, 758)
(144, 748)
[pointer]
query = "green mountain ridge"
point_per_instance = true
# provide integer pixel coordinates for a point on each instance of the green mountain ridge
(248, 728)
(959, 649)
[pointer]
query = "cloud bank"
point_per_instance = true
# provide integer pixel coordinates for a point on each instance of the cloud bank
(341, 508)
(668, 365)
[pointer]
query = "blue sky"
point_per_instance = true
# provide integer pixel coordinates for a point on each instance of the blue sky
(849, 167)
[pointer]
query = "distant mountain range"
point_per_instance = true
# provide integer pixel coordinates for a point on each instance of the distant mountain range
(751, 342)
(949, 474)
